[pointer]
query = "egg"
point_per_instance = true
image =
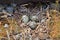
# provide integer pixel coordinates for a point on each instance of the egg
(32, 25)
(25, 18)
(34, 18)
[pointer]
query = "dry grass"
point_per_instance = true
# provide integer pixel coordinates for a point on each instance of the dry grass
(55, 28)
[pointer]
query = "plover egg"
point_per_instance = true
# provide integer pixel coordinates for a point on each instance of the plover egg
(34, 18)
(25, 18)
(32, 25)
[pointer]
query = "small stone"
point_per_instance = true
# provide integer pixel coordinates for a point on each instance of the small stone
(9, 9)
(43, 20)
(17, 36)
(9, 14)
(41, 29)
(6, 25)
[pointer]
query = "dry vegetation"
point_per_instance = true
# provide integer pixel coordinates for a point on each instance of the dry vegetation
(17, 30)
(55, 25)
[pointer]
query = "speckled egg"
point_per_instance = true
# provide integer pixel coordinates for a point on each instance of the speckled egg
(25, 18)
(34, 18)
(32, 25)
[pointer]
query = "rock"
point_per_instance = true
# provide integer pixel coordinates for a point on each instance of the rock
(9, 9)
(9, 15)
(18, 36)
(41, 29)
(25, 18)
(6, 26)
(43, 20)
(1, 8)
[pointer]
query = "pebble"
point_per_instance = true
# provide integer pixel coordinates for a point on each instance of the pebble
(43, 20)
(6, 25)
(9, 9)
(41, 29)
(17, 36)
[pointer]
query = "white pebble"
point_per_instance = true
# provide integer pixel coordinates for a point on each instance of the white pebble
(6, 25)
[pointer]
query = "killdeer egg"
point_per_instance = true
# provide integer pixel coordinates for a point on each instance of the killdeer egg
(34, 18)
(32, 25)
(25, 18)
